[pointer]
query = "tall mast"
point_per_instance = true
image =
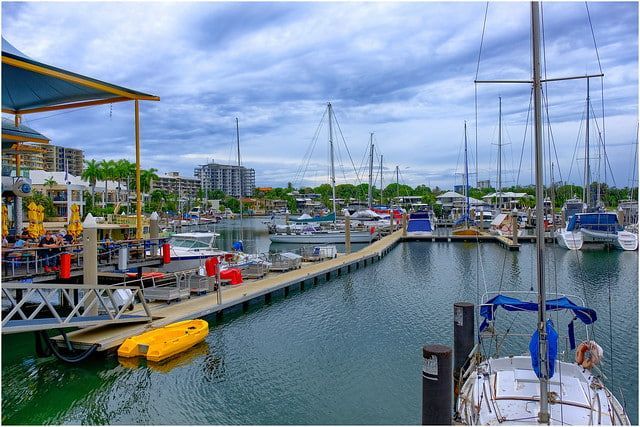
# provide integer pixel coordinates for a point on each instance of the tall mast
(370, 195)
(500, 151)
(380, 179)
(333, 170)
(239, 173)
(543, 415)
(466, 175)
(398, 183)
(587, 172)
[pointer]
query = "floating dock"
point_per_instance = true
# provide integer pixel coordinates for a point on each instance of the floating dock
(108, 337)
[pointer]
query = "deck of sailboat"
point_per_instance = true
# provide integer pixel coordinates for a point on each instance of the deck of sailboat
(511, 388)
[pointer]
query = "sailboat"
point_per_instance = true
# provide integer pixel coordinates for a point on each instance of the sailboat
(312, 233)
(501, 224)
(465, 226)
(537, 388)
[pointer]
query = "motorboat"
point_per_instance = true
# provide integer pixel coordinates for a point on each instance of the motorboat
(313, 234)
(420, 224)
(196, 245)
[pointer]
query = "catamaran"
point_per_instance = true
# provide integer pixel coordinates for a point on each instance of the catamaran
(539, 387)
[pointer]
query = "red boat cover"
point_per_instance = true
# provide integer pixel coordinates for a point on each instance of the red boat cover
(232, 273)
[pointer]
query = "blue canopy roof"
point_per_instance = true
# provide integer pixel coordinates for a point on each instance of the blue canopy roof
(21, 133)
(487, 310)
(28, 84)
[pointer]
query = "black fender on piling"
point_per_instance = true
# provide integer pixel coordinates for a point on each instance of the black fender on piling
(463, 336)
(437, 385)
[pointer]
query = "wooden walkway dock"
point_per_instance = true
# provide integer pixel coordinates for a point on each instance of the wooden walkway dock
(111, 336)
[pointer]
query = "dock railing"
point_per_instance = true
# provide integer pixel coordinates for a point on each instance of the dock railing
(27, 261)
(26, 302)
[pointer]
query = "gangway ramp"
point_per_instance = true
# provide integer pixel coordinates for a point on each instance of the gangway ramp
(32, 308)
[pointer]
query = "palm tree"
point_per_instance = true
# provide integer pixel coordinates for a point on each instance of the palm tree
(121, 171)
(50, 183)
(107, 168)
(91, 173)
(147, 176)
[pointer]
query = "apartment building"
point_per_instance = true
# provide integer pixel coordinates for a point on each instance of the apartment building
(172, 182)
(227, 178)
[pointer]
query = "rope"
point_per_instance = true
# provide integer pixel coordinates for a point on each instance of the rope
(358, 180)
(524, 138)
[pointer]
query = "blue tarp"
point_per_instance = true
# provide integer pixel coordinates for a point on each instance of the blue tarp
(487, 310)
(329, 217)
(597, 221)
(552, 350)
(419, 225)
(464, 219)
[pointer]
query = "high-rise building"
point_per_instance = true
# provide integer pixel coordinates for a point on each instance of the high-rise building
(227, 178)
(55, 157)
(172, 182)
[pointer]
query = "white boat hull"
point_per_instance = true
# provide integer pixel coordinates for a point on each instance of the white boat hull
(626, 241)
(571, 240)
(322, 237)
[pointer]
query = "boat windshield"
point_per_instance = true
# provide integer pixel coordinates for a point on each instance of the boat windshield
(181, 243)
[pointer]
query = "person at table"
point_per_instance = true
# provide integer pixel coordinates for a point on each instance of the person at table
(49, 255)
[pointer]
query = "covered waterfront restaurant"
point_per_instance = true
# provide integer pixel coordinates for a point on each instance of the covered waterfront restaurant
(30, 87)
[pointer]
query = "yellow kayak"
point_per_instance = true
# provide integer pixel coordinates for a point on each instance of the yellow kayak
(164, 342)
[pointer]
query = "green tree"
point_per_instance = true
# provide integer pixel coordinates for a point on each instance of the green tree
(92, 174)
(233, 204)
(107, 168)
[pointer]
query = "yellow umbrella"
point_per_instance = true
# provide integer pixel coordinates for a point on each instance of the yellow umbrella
(75, 226)
(32, 214)
(5, 221)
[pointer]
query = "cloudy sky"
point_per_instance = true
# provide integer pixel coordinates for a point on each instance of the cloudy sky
(404, 71)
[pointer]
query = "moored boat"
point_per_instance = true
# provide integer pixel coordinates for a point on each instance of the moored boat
(162, 343)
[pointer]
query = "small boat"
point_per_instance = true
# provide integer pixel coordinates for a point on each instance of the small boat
(420, 224)
(161, 343)
(502, 226)
(602, 227)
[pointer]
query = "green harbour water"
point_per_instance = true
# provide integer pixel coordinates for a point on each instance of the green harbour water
(347, 351)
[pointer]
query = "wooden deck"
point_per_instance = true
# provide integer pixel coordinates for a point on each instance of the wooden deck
(110, 337)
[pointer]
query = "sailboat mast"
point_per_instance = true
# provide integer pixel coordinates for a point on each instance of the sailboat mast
(333, 170)
(380, 179)
(499, 151)
(543, 415)
(370, 195)
(398, 183)
(239, 174)
(587, 172)
(466, 175)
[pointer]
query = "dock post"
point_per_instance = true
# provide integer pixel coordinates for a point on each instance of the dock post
(463, 338)
(90, 258)
(620, 217)
(514, 227)
(436, 385)
(391, 219)
(347, 234)
(154, 232)
(404, 224)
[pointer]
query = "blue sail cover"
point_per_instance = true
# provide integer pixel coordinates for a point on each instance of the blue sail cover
(487, 310)
(597, 221)
(464, 219)
(552, 350)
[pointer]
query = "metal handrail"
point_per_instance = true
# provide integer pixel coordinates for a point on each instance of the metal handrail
(101, 295)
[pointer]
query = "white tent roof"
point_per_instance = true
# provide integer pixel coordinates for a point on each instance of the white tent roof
(450, 195)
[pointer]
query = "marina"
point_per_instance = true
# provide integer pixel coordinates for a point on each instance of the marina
(204, 270)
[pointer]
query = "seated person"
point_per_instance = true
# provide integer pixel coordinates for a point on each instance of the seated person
(49, 255)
